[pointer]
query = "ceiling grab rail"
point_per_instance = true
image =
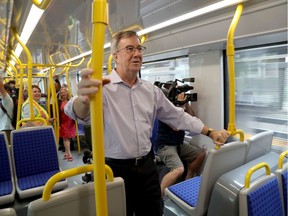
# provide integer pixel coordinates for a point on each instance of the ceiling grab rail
(29, 67)
(66, 57)
(69, 173)
(42, 4)
(231, 69)
(99, 21)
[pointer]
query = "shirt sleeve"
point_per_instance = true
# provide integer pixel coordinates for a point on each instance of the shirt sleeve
(68, 109)
(176, 117)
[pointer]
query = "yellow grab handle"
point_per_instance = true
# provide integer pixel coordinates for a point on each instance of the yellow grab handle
(281, 159)
(68, 173)
(253, 169)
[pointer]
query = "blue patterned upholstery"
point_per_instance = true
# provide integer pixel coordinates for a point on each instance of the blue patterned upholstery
(265, 200)
(35, 158)
(187, 190)
(7, 190)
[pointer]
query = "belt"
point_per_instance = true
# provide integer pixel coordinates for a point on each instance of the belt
(133, 161)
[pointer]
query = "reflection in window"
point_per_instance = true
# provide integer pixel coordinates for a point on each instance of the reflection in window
(261, 91)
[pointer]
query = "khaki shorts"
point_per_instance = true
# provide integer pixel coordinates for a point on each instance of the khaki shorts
(172, 160)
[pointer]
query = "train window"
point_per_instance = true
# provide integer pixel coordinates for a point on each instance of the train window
(261, 91)
(166, 70)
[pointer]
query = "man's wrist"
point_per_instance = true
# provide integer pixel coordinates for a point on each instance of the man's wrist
(210, 130)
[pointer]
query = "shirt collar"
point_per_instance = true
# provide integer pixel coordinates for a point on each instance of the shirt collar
(115, 78)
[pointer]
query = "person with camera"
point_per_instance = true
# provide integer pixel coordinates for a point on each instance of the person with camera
(130, 106)
(172, 149)
(6, 109)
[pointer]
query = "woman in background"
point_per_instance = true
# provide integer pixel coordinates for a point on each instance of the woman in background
(39, 111)
(67, 125)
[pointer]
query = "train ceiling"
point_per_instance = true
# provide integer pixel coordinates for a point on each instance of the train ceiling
(64, 30)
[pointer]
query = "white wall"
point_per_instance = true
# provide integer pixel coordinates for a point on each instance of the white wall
(206, 68)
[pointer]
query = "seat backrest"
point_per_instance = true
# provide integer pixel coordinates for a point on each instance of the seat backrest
(8, 212)
(282, 176)
(218, 162)
(5, 160)
(223, 160)
(7, 185)
(258, 145)
(80, 200)
(34, 150)
(261, 198)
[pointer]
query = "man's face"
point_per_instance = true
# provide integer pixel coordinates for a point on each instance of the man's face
(130, 62)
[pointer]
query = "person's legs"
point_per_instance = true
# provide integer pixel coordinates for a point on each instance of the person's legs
(195, 157)
(170, 157)
(67, 154)
(143, 195)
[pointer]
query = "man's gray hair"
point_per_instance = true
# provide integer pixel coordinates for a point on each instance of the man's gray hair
(120, 35)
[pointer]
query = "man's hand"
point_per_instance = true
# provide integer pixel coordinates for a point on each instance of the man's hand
(88, 86)
(219, 137)
(181, 97)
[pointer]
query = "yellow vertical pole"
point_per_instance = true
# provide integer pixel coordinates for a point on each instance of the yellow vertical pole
(20, 93)
(99, 22)
(231, 70)
(29, 67)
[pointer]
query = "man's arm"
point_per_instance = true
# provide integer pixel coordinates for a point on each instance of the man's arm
(86, 88)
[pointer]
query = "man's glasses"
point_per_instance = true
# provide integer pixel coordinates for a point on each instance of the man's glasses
(132, 49)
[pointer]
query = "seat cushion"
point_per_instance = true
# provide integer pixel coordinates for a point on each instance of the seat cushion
(187, 190)
(37, 180)
(5, 188)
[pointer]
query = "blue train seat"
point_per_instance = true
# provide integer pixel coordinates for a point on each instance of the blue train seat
(80, 200)
(261, 196)
(35, 160)
(193, 195)
(8, 212)
(282, 175)
(258, 145)
(225, 196)
(7, 183)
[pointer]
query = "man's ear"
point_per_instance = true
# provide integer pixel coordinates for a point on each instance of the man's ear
(115, 56)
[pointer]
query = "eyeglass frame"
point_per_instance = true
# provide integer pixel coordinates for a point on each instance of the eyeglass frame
(140, 49)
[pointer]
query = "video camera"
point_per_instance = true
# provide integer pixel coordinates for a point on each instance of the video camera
(171, 89)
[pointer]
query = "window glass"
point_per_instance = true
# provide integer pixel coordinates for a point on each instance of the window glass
(166, 70)
(261, 91)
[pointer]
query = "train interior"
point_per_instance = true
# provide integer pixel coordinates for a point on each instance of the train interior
(184, 39)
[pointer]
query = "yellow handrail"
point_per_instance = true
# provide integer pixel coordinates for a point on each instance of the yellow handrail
(253, 169)
(281, 159)
(29, 67)
(20, 93)
(230, 55)
(72, 172)
(42, 4)
(99, 22)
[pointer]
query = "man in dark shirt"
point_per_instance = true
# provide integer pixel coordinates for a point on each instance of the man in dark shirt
(172, 149)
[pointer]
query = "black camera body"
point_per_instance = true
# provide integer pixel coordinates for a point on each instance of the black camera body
(171, 89)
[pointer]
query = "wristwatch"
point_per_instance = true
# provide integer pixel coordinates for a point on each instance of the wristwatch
(209, 132)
